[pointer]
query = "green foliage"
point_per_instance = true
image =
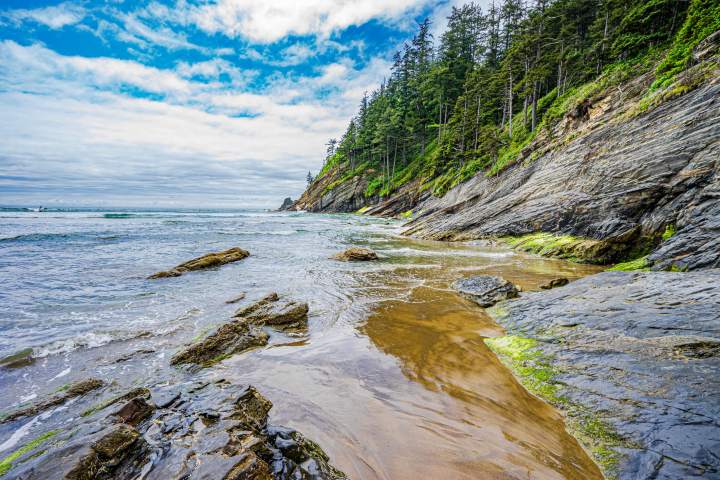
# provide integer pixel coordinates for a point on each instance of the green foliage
(7, 463)
(475, 100)
(703, 19)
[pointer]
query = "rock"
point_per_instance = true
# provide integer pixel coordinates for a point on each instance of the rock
(356, 254)
(18, 359)
(486, 290)
(77, 389)
(663, 166)
(287, 203)
(555, 283)
(271, 310)
(135, 411)
(239, 297)
(231, 338)
(206, 261)
(640, 368)
(213, 430)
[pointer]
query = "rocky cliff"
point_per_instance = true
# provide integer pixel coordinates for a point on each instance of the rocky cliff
(635, 173)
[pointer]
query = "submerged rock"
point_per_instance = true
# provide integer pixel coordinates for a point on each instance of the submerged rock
(207, 430)
(206, 261)
(634, 361)
(486, 290)
(76, 389)
(231, 338)
(356, 254)
(555, 283)
(18, 359)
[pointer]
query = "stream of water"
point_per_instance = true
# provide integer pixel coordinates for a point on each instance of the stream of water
(393, 379)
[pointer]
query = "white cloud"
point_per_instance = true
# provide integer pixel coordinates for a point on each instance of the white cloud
(271, 20)
(54, 17)
(74, 131)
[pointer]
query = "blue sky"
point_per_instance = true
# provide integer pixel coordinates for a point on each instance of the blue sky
(194, 103)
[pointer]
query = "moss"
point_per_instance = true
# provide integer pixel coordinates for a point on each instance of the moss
(537, 373)
(7, 463)
(574, 249)
(669, 232)
(408, 214)
(362, 210)
(639, 264)
(675, 267)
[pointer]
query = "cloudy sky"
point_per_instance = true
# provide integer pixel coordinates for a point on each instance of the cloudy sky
(194, 103)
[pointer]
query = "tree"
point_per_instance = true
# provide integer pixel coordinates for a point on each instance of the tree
(309, 178)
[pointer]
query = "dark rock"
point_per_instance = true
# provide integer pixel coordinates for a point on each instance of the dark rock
(214, 430)
(348, 196)
(271, 310)
(135, 411)
(18, 359)
(555, 283)
(287, 203)
(77, 389)
(356, 254)
(231, 338)
(206, 261)
(239, 297)
(486, 290)
(643, 358)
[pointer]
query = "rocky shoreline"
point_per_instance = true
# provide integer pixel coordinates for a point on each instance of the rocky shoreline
(632, 360)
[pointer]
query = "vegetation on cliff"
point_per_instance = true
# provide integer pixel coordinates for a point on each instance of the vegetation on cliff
(474, 99)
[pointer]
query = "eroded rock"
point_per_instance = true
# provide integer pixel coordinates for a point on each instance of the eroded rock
(356, 254)
(555, 283)
(76, 389)
(211, 430)
(635, 358)
(231, 338)
(272, 310)
(206, 261)
(486, 290)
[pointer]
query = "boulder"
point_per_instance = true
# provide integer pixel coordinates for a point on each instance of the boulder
(231, 338)
(486, 290)
(271, 310)
(210, 260)
(356, 254)
(557, 282)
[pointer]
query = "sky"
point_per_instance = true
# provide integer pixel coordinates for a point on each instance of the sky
(185, 103)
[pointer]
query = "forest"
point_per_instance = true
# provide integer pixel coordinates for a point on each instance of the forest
(470, 101)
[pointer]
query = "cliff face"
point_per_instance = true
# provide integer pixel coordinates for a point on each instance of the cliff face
(630, 172)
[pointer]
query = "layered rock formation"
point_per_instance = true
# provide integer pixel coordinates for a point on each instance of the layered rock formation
(210, 260)
(633, 359)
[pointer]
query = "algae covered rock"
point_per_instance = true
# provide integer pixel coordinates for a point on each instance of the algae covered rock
(76, 389)
(206, 261)
(356, 254)
(231, 338)
(208, 429)
(486, 290)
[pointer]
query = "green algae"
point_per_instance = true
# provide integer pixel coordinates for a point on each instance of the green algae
(7, 463)
(362, 210)
(639, 264)
(408, 214)
(669, 232)
(575, 249)
(538, 373)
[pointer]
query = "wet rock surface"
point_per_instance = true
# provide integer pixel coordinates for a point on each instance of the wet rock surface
(641, 352)
(206, 261)
(76, 389)
(486, 290)
(244, 331)
(197, 429)
(356, 254)
(555, 283)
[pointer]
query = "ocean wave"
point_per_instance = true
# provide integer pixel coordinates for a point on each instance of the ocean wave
(37, 237)
(86, 341)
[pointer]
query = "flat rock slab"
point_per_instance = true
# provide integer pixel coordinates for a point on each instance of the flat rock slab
(275, 311)
(486, 290)
(641, 351)
(356, 254)
(207, 429)
(210, 260)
